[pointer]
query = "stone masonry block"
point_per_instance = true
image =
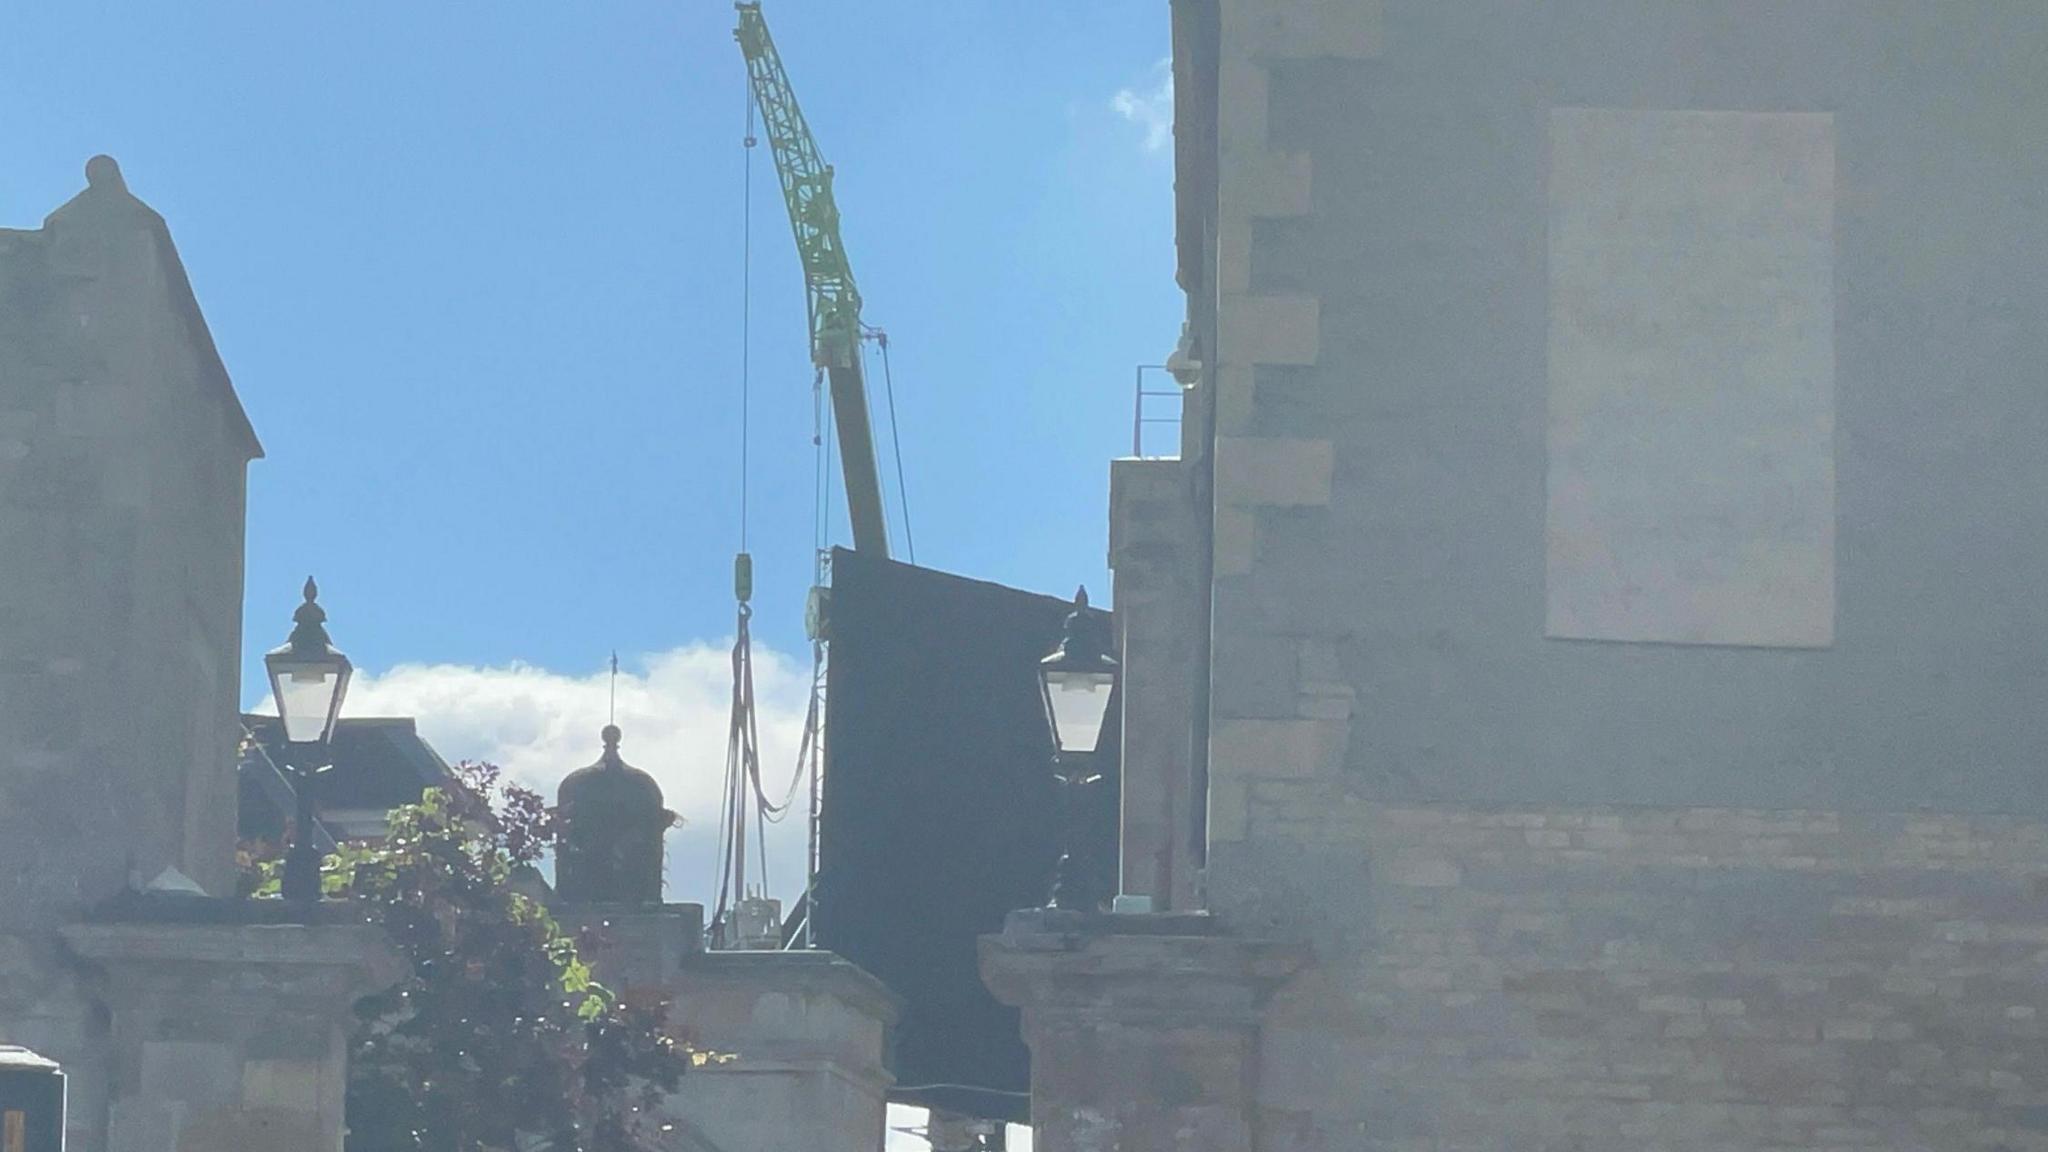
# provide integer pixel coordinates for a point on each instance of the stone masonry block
(1242, 103)
(1304, 29)
(1236, 538)
(1320, 663)
(145, 1124)
(1423, 872)
(1146, 509)
(1254, 472)
(1274, 748)
(1234, 256)
(1325, 706)
(1229, 810)
(1266, 183)
(287, 1084)
(89, 409)
(18, 430)
(1270, 329)
(1236, 399)
(194, 1072)
(1253, 674)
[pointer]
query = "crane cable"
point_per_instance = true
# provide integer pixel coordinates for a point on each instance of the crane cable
(740, 749)
(896, 442)
(745, 795)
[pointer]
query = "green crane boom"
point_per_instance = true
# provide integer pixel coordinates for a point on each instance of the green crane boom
(834, 301)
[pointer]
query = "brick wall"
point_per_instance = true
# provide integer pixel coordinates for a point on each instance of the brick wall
(1702, 978)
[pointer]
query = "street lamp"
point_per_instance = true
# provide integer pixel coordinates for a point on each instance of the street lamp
(308, 678)
(31, 1102)
(1076, 682)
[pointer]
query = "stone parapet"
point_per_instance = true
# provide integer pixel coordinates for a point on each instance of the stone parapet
(1143, 1029)
(1152, 542)
(634, 948)
(796, 1044)
(230, 1035)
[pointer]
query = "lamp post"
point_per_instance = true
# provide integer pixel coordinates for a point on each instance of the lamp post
(308, 678)
(1076, 680)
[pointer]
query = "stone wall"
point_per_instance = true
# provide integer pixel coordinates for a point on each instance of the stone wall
(229, 1035)
(798, 1044)
(1600, 978)
(123, 452)
(1577, 651)
(1152, 548)
(1428, 445)
(122, 458)
(794, 1043)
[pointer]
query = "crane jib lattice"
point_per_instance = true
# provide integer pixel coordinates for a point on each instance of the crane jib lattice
(807, 189)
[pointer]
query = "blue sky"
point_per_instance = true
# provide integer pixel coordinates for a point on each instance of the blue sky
(474, 270)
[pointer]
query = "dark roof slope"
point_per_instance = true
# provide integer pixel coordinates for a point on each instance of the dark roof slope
(379, 764)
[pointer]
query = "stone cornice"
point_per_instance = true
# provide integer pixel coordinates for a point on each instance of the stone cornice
(796, 973)
(345, 961)
(1172, 968)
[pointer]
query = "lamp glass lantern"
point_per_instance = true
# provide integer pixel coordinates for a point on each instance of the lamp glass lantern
(31, 1102)
(308, 676)
(1077, 681)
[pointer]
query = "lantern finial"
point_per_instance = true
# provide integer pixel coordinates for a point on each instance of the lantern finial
(309, 630)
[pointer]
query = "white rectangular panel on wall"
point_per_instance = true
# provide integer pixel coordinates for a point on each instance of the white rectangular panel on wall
(1691, 478)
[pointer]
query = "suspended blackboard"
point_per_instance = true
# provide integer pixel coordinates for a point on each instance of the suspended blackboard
(938, 814)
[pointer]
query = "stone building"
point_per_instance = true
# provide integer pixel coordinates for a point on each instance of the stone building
(185, 1020)
(1606, 537)
(123, 452)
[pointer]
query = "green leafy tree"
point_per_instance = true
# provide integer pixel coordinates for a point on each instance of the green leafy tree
(498, 1040)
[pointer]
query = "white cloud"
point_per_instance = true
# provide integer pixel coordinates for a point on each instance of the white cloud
(674, 709)
(1150, 106)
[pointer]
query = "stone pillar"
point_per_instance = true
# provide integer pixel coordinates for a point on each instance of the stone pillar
(1158, 606)
(634, 950)
(798, 1042)
(231, 1035)
(1143, 1029)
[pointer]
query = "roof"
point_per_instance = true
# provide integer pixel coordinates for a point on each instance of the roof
(380, 763)
(612, 773)
(14, 1058)
(107, 208)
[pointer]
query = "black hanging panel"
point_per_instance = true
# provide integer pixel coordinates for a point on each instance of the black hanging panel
(938, 813)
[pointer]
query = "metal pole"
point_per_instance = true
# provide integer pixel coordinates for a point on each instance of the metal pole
(301, 881)
(1138, 415)
(1074, 888)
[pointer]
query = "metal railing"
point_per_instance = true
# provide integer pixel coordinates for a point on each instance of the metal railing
(1143, 416)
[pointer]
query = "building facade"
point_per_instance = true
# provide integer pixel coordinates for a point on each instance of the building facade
(1613, 486)
(185, 1019)
(180, 1024)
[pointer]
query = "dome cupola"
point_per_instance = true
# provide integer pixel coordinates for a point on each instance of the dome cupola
(610, 847)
